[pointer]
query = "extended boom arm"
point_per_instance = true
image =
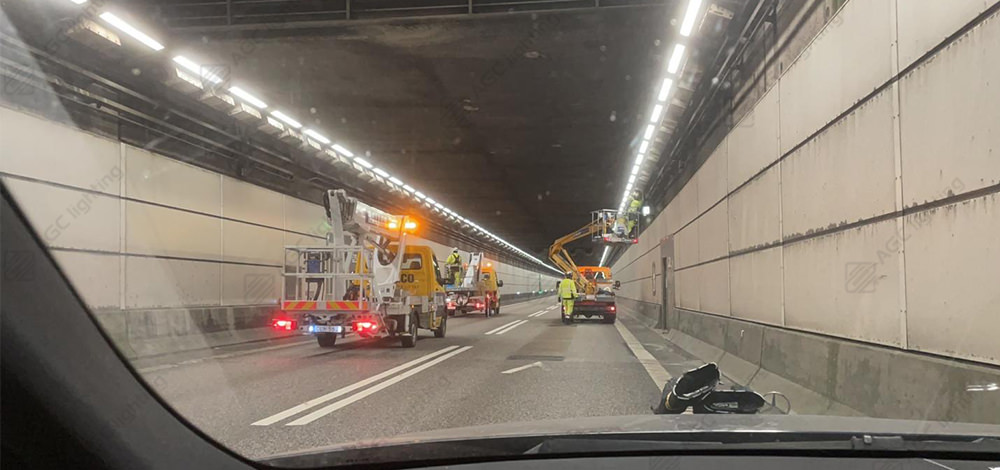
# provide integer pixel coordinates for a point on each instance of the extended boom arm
(562, 259)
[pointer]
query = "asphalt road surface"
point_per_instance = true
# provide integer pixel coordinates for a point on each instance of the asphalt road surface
(523, 365)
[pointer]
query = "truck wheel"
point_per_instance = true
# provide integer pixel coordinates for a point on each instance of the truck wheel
(326, 340)
(441, 330)
(410, 341)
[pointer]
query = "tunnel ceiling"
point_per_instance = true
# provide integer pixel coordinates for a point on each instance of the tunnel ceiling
(522, 122)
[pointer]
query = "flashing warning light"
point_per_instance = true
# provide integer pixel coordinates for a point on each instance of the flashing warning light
(489, 265)
(408, 225)
(283, 324)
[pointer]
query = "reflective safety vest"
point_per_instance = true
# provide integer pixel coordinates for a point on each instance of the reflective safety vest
(634, 205)
(567, 289)
(454, 258)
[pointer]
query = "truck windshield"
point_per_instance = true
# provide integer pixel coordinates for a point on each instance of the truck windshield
(412, 261)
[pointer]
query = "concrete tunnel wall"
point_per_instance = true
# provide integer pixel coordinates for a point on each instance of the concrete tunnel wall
(856, 202)
(167, 255)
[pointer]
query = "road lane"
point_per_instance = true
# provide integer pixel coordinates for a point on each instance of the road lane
(304, 396)
(224, 395)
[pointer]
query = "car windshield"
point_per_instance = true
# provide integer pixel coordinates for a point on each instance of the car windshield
(804, 193)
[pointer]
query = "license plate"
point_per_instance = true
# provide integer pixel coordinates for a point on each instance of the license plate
(325, 329)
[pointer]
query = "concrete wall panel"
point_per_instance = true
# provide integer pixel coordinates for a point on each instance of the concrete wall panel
(159, 283)
(754, 214)
(713, 287)
(685, 205)
(246, 243)
(753, 143)
(953, 271)
(94, 276)
(155, 230)
(923, 24)
(713, 233)
(250, 285)
(49, 151)
(68, 218)
(949, 133)
(304, 217)
(250, 203)
(849, 58)
(755, 283)
(846, 284)
(711, 178)
(845, 174)
(686, 246)
(169, 182)
(688, 291)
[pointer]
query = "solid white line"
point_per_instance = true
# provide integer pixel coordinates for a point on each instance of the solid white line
(501, 327)
(656, 371)
(358, 396)
(350, 388)
(515, 325)
(519, 369)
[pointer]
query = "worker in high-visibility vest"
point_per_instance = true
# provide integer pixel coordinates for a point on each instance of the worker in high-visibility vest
(634, 206)
(454, 265)
(567, 293)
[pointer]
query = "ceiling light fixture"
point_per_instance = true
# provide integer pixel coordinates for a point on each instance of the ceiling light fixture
(287, 120)
(131, 31)
(675, 59)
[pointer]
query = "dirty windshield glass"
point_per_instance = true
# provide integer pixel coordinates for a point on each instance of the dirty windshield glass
(797, 201)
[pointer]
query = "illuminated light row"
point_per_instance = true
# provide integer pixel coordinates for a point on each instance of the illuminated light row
(674, 66)
(130, 30)
(251, 99)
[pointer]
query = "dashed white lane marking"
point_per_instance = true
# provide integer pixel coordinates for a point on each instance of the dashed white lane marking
(538, 313)
(501, 327)
(348, 389)
(511, 327)
(519, 369)
(358, 396)
(656, 371)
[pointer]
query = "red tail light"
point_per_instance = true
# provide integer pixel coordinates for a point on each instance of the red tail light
(283, 324)
(612, 308)
(365, 325)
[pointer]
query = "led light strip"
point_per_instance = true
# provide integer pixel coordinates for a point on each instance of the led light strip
(675, 65)
(251, 99)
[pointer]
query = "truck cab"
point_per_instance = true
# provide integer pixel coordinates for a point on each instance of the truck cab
(419, 271)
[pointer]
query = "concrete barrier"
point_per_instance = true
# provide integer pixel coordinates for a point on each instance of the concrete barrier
(833, 376)
(155, 332)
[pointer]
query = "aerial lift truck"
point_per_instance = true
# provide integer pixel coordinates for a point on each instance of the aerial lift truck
(366, 279)
(596, 296)
(479, 289)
